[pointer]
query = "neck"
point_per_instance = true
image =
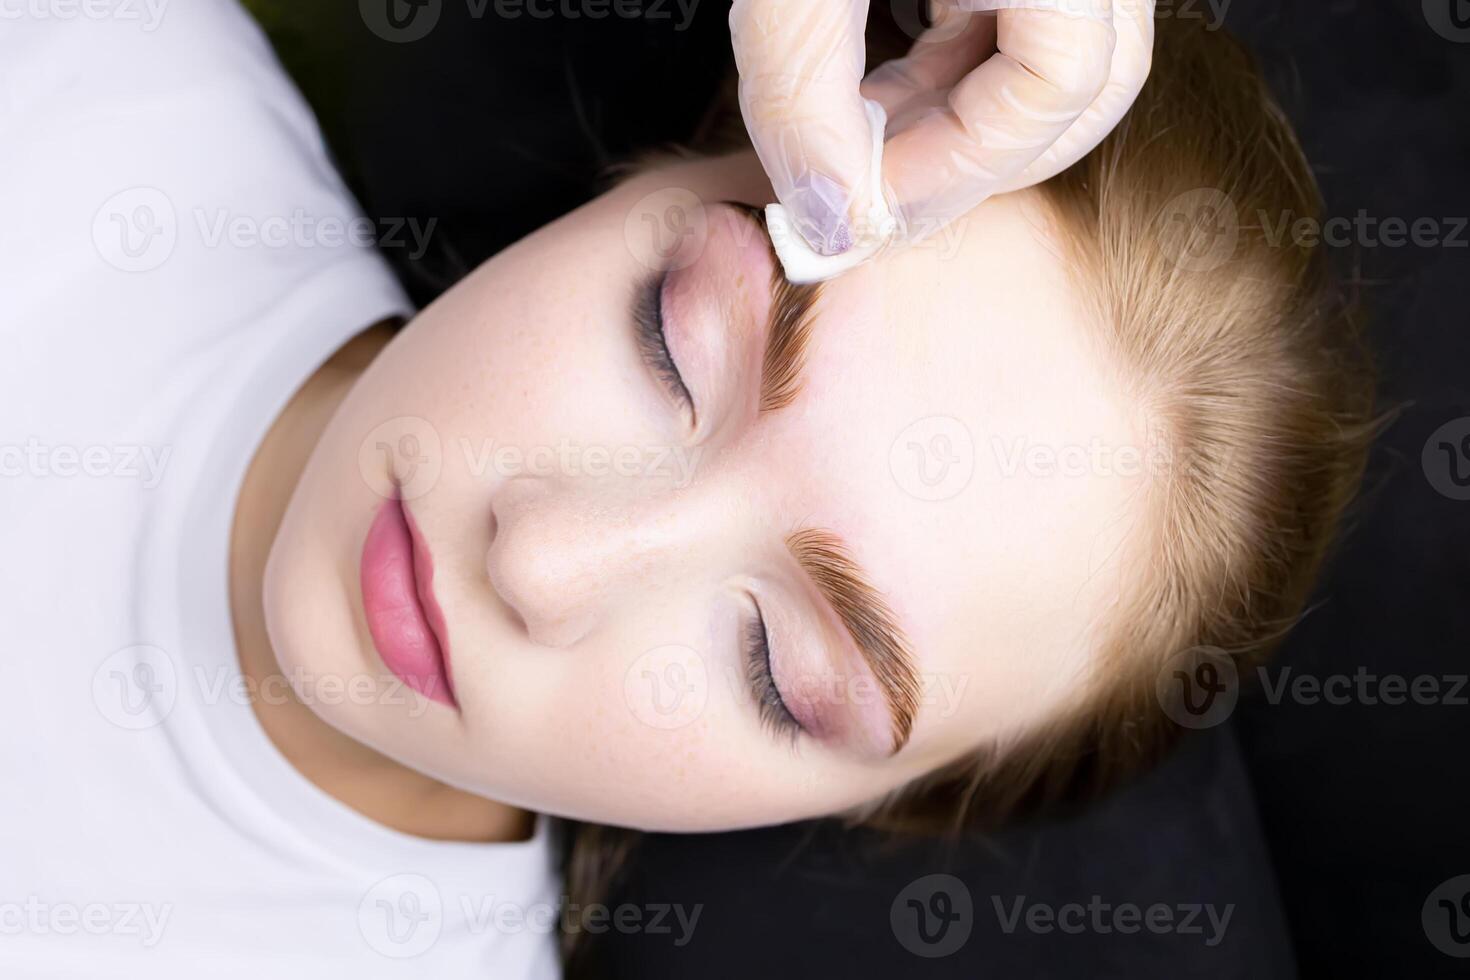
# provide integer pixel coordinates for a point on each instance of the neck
(368, 781)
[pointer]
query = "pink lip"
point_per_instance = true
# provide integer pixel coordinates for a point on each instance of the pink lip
(405, 621)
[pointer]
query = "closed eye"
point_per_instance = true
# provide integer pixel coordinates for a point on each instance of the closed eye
(653, 343)
(774, 713)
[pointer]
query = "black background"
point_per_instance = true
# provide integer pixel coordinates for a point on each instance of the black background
(1325, 825)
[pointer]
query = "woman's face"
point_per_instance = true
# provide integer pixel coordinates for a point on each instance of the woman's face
(720, 586)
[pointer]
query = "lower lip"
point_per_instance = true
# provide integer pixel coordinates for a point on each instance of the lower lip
(397, 576)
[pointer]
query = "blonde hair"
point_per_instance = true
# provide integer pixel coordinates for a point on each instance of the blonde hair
(1251, 372)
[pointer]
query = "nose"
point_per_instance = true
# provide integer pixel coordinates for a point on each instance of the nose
(564, 554)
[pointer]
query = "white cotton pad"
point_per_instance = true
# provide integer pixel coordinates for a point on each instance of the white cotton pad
(803, 265)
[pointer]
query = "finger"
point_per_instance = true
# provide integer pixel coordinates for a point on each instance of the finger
(1051, 63)
(1133, 21)
(944, 52)
(800, 65)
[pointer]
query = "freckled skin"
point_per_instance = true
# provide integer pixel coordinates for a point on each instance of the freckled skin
(563, 591)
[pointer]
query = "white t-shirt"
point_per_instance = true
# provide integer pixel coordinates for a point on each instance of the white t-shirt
(177, 256)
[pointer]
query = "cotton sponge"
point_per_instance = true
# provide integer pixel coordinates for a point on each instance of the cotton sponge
(801, 263)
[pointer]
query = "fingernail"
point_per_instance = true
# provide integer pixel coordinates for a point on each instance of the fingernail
(819, 207)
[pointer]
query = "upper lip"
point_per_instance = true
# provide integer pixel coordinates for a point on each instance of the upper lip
(423, 584)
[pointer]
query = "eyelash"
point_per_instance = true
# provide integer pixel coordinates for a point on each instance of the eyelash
(653, 343)
(775, 716)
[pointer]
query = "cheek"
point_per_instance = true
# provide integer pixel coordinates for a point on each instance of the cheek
(648, 726)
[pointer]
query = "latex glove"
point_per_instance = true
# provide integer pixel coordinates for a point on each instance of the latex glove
(995, 95)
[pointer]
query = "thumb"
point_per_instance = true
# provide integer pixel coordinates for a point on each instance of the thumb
(800, 65)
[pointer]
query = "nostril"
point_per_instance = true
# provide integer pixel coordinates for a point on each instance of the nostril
(541, 564)
(535, 590)
(560, 634)
(500, 583)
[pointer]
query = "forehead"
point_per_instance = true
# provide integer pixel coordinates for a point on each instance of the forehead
(960, 428)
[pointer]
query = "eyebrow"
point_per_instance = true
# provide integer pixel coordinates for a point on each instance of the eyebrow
(867, 619)
(788, 329)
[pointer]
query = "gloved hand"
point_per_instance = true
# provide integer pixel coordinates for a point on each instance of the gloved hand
(994, 96)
